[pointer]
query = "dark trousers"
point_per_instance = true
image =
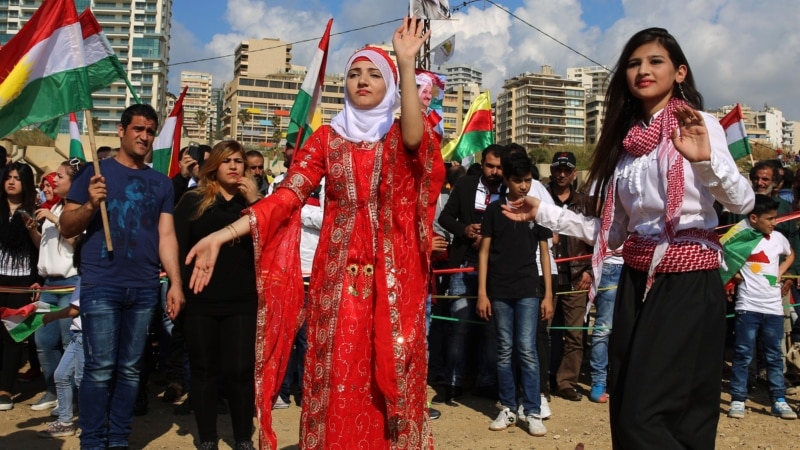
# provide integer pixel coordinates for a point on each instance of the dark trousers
(11, 352)
(665, 363)
(567, 353)
(543, 353)
(222, 345)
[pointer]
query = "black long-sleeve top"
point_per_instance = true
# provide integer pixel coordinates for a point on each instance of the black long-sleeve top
(232, 288)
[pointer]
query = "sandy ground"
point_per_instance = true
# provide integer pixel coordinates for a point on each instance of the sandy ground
(461, 427)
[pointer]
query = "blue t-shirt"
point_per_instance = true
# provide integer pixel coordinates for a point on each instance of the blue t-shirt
(136, 200)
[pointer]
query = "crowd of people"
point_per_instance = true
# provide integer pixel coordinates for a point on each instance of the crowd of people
(314, 284)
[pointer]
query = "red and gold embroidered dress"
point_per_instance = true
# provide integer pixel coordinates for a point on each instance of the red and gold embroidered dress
(365, 370)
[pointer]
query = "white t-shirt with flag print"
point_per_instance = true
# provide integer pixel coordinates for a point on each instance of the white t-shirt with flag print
(760, 291)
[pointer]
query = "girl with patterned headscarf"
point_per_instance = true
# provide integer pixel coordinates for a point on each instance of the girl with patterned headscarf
(366, 360)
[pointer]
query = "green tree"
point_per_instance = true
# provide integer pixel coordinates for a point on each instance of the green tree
(276, 133)
(243, 116)
(96, 124)
(201, 119)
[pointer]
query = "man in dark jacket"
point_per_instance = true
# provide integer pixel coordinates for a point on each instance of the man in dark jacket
(461, 217)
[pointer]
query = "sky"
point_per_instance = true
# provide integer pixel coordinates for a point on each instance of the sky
(740, 51)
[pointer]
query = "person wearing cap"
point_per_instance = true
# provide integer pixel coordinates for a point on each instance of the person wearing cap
(574, 278)
(365, 380)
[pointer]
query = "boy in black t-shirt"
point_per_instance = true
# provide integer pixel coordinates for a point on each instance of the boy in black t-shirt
(509, 292)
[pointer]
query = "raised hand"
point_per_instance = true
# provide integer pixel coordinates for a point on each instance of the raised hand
(522, 210)
(408, 39)
(692, 142)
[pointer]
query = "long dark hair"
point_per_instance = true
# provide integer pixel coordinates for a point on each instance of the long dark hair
(15, 240)
(623, 109)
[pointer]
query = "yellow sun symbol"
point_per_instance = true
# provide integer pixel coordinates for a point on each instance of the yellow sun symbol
(755, 267)
(15, 81)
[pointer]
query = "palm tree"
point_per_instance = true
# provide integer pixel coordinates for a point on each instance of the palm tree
(276, 133)
(96, 124)
(244, 116)
(201, 118)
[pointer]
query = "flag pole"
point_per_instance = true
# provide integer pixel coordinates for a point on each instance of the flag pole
(96, 163)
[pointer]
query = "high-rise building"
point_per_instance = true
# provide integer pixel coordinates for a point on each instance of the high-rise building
(455, 106)
(461, 75)
(197, 105)
(138, 31)
(594, 80)
(256, 103)
(537, 109)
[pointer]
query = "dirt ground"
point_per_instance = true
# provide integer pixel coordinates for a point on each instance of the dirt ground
(461, 427)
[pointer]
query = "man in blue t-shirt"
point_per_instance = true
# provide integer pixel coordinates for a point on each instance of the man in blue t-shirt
(120, 288)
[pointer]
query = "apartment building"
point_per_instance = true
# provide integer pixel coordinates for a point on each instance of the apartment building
(139, 33)
(537, 109)
(256, 103)
(197, 105)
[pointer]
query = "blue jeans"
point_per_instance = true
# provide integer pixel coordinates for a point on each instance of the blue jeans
(604, 307)
(769, 328)
(53, 338)
(69, 370)
(115, 321)
(467, 337)
(516, 321)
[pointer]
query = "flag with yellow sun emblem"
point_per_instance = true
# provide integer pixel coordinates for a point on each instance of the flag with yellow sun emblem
(42, 69)
(737, 245)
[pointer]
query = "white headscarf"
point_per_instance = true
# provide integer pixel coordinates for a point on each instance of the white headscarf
(370, 125)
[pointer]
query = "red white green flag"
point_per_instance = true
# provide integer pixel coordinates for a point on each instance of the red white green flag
(23, 322)
(102, 63)
(305, 116)
(75, 146)
(477, 132)
(167, 146)
(735, 133)
(42, 69)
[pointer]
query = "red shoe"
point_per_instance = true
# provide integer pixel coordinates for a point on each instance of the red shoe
(29, 375)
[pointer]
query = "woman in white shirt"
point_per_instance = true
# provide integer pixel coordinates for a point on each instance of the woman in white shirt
(57, 269)
(661, 163)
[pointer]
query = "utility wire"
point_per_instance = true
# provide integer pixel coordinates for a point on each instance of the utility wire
(551, 37)
(454, 9)
(315, 39)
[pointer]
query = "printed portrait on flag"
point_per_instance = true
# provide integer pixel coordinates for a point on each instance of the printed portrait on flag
(430, 9)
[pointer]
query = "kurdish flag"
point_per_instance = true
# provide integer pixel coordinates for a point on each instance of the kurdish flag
(733, 123)
(22, 322)
(167, 146)
(305, 116)
(737, 245)
(42, 69)
(476, 134)
(102, 63)
(75, 146)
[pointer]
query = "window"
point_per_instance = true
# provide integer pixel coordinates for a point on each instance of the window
(146, 48)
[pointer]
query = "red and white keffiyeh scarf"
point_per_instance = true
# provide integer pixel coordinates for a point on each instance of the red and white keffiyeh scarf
(641, 141)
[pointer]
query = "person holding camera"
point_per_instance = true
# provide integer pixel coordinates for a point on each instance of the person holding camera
(191, 159)
(19, 252)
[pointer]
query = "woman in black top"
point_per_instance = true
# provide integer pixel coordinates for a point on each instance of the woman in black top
(220, 324)
(19, 252)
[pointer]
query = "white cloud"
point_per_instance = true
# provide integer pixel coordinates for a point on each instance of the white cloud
(739, 50)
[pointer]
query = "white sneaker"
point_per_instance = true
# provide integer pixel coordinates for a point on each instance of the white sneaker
(736, 410)
(535, 427)
(280, 404)
(505, 419)
(544, 410)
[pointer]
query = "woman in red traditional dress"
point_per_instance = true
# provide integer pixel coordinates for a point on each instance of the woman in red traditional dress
(365, 374)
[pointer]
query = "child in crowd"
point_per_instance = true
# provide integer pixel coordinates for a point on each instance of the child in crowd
(759, 308)
(69, 370)
(509, 292)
